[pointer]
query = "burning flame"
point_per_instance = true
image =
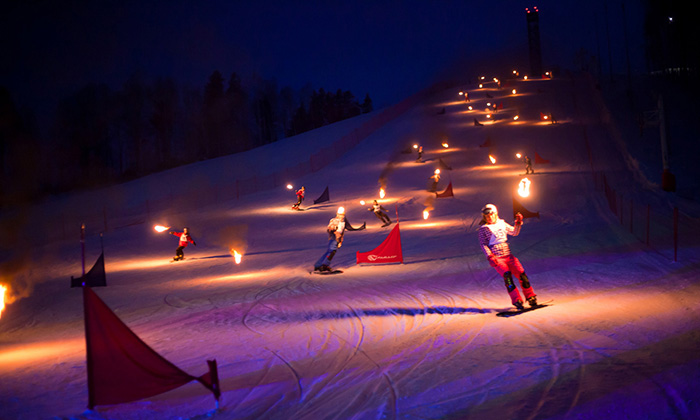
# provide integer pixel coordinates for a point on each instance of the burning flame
(426, 214)
(492, 159)
(3, 290)
(514, 91)
(362, 202)
(524, 187)
(515, 118)
(382, 193)
(518, 155)
(160, 228)
(445, 145)
(290, 186)
(237, 257)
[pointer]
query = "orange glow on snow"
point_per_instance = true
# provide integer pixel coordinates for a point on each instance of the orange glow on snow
(159, 228)
(23, 355)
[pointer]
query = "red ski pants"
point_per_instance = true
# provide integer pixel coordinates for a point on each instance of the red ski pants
(511, 264)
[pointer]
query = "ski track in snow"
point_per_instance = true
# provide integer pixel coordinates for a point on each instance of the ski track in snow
(410, 341)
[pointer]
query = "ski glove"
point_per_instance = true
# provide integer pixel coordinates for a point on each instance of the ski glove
(518, 219)
(194, 243)
(492, 260)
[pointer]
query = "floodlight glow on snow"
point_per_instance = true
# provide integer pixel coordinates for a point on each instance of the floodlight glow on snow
(237, 257)
(426, 214)
(159, 228)
(290, 186)
(3, 290)
(382, 193)
(492, 159)
(524, 187)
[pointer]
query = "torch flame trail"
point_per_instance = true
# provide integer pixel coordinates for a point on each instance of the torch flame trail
(493, 159)
(3, 290)
(237, 257)
(524, 187)
(159, 228)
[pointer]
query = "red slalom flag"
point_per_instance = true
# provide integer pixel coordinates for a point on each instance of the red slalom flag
(388, 251)
(519, 208)
(447, 193)
(539, 159)
(121, 367)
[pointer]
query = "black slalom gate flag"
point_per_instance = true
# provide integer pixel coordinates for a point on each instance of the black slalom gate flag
(324, 197)
(519, 208)
(96, 277)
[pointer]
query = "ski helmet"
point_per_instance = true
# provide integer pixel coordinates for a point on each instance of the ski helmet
(488, 209)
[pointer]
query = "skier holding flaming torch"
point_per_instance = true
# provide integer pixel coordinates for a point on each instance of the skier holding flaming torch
(185, 238)
(493, 237)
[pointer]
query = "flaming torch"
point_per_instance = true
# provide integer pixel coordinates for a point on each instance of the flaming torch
(426, 214)
(159, 228)
(524, 187)
(3, 290)
(237, 257)
(492, 159)
(382, 193)
(518, 155)
(290, 186)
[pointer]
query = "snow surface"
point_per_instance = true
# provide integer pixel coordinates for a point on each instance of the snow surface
(418, 340)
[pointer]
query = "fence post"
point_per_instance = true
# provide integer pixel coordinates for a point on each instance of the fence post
(631, 216)
(648, 221)
(675, 234)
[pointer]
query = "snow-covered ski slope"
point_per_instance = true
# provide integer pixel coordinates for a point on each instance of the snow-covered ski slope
(418, 340)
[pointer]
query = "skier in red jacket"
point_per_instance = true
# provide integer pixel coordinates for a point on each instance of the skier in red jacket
(184, 239)
(493, 237)
(300, 198)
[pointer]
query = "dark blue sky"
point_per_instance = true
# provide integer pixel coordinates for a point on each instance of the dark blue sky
(385, 48)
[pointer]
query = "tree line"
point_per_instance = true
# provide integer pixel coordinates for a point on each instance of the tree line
(100, 136)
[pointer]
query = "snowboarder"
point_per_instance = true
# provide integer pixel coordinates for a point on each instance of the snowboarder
(335, 230)
(420, 154)
(300, 198)
(528, 165)
(184, 239)
(379, 211)
(493, 240)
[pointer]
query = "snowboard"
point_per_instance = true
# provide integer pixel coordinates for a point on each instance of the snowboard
(176, 259)
(515, 311)
(325, 273)
(386, 224)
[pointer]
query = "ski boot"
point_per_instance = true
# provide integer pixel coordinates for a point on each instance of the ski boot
(519, 304)
(532, 301)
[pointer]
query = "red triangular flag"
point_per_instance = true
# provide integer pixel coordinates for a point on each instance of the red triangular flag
(388, 251)
(121, 367)
(447, 193)
(539, 160)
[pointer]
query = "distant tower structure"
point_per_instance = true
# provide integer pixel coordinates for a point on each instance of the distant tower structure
(533, 36)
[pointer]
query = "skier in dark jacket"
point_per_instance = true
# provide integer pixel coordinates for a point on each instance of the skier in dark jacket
(493, 237)
(335, 230)
(185, 238)
(379, 211)
(528, 165)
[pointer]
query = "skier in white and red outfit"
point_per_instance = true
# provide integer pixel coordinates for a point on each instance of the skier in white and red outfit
(300, 198)
(185, 238)
(493, 237)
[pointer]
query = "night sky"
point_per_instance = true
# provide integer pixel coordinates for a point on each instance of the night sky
(388, 49)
